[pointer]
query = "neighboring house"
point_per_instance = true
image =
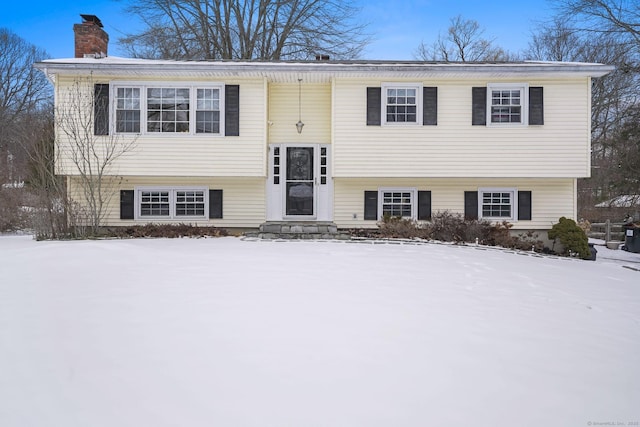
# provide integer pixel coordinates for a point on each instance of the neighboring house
(217, 141)
(623, 206)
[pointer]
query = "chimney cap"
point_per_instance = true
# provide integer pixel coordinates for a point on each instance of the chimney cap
(91, 18)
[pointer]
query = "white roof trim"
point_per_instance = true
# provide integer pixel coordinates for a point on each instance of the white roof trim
(319, 70)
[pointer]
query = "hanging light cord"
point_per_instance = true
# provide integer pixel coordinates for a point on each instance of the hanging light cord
(299, 100)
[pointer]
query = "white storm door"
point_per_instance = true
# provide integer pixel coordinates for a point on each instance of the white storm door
(300, 182)
(299, 185)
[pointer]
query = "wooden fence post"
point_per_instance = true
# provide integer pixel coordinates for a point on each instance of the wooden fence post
(607, 231)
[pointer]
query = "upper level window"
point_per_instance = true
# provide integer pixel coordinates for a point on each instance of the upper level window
(208, 111)
(507, 104)
(497, 203)
(153, 109)
(128, 109)
(401, 104)
(167, 110)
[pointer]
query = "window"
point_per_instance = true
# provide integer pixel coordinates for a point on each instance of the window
(128, 109)
(171, 203)
(167, 110)
(190, 203)
(397, 202)
(208, 111)
(155, 109)
(154, 203)
(497, 203)
(401, 104)
(507, 104)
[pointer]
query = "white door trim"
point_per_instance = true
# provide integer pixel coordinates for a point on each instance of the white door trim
(276, 184)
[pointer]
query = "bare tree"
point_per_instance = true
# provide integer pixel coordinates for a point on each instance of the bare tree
(464, 42)
(618, 18)
(50, 202)
(91, 158)
(22, 90)
(626, 169)
(245, 29)
(556, 41)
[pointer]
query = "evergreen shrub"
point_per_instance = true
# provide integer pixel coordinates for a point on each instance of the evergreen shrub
(573, 238)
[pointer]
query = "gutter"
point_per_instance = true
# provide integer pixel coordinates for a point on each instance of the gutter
(113, 65)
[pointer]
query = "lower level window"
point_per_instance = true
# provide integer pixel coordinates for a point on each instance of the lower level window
(497, 203)
(397, 202)
(190, 203)
(170, 203)
(154, 203)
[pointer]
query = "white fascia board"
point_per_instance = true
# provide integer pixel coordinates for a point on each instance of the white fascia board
(274, 69)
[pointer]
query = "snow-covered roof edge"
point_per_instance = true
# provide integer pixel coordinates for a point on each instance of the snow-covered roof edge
(112, 63)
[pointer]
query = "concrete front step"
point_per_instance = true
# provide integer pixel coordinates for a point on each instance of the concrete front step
(298, 230)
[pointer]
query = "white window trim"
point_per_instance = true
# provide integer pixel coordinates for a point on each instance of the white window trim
(524, 98)
(414, 199)
(514, 203)
(383, 106)
(193, 100)
(172, 203)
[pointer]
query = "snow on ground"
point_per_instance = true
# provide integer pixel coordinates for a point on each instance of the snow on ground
(225, 332)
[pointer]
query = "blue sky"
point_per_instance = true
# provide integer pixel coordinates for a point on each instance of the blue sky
(398, 27)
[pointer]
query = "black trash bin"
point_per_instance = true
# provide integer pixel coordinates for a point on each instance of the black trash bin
(593, 252)
(632, 239)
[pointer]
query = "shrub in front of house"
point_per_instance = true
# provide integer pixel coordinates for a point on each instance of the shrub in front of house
(446, 226)
(572, 238)
(400, 228)
(167, 230)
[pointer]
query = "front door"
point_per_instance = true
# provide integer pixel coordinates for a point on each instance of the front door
(299, 186)
(300, 180)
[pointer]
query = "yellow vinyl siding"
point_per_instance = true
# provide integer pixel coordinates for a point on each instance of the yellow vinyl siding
(552, 198)
(315, 113)
(243, 199)
(455, 147)
(189, 155)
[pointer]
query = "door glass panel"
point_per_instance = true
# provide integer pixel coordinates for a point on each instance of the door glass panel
(300, 181)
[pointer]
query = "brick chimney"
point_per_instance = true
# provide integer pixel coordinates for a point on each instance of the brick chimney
(91, 40)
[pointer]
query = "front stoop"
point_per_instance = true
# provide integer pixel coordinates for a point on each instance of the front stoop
(298, 230)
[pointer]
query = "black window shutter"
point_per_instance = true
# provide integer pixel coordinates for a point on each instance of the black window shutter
(215, 203)
(424, 205)
(524, 205)
(536, 106)
(126, 204)
(101, 109)
(232, 110)
(429, 106)
(470, 205)
(374, 106)
(371, 205)
(479, 106)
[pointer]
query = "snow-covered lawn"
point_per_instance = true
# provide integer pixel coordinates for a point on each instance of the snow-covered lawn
(225, 332)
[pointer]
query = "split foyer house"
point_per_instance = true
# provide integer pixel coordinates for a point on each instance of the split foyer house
(243, 143)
